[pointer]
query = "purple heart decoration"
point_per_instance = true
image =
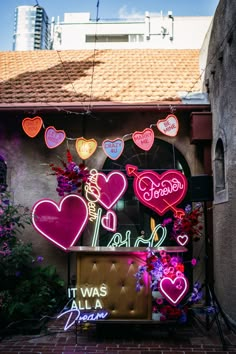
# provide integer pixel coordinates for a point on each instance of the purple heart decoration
(61, 224)
(174, 290)
(54, 137)
(113, 148)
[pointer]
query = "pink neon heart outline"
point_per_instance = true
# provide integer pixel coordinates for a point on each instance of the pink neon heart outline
(107, 150)
(103, 183)
(77, 215)
(109, 221)
(60, 133)
(146, 176)
(171, 298)
(184, 242)
(146, 146)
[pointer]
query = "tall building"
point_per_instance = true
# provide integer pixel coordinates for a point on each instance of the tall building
(31, 28)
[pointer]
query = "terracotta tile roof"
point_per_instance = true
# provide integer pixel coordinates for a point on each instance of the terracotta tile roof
(121, 76)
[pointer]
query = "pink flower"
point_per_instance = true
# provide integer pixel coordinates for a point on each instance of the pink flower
(194, 261)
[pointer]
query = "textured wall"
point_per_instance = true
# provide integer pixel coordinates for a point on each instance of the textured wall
(220, 78)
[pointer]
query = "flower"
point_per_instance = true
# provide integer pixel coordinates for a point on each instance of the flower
(71, 177)
(190, 223)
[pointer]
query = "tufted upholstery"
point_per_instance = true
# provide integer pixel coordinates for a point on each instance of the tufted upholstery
(117, 272)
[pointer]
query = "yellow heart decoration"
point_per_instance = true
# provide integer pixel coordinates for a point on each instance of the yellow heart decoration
(85, 148)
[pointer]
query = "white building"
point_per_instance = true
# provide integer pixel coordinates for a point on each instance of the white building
(78, 31)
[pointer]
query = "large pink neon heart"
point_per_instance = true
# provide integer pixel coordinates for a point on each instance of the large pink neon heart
(61, 224)
(144, 139)
(111, 188)
(53, 137)
(174, 290)
(158, 192)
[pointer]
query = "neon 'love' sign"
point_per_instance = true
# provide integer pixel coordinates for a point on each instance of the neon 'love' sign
(61, 224)
(159, 192)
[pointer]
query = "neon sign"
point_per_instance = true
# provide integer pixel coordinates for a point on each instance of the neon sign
(174, 290)
(92, 194)
(53, 137)
(145, 139)
(78, 316)
(159, 192)
(113, 148)
(61, 224)
(182, 239)
(109, 221)
(107, 189)
(168, 126)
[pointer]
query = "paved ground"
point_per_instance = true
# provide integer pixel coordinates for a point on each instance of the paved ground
(192, 338)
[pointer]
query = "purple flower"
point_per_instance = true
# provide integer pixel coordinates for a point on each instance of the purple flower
(39, 259)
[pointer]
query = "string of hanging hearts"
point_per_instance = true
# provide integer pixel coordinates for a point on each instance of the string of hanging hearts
(112, 148)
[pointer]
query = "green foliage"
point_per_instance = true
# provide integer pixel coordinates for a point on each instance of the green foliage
(28, 290)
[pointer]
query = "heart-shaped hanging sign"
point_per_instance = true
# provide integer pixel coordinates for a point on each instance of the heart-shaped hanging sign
(109, 221)
(54, 137)
(61, 224)
(32, 126)
(182, 240)
(159, 192)
(174, 290)
(168, 126)
(85, 148)
(144, 139)
(113, 148)
(108, 189)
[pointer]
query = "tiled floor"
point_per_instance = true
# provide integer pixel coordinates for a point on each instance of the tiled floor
(192, 338)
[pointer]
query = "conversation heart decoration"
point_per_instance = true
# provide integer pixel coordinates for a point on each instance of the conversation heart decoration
(168, 126)
(113, 148)
(53, 137)
(145, 139)
(85, 148)
(106, 189)
(32, 126)
(159, 192)
(109, 221)
(63, 223)
(174, 290)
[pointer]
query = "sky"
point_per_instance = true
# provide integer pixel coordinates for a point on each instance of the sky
(107, 9)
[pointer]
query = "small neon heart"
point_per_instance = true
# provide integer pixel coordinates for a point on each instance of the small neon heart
(109, 221)
(32, 126)
(182, 239)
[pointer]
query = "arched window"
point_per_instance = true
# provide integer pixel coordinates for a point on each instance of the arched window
(219, 166)
(3, 174)
(133, 217)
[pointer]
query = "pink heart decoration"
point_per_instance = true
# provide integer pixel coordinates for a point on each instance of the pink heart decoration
(182, 239)
(173, 290)
(158, 192)
(54, 137)
(168, 126)
(144, 139)
(109, 221)
(111, 187)
(113, 148)
(61, 224)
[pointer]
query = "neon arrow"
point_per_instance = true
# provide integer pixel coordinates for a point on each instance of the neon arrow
(178, 213)
(133, 171)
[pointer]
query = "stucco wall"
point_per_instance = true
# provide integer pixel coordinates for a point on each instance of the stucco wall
(220, 80)
(28, 158)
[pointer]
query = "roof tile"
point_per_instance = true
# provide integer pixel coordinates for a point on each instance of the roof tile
(125, 76)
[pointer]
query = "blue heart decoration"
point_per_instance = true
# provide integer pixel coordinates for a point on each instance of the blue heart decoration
(113, 148)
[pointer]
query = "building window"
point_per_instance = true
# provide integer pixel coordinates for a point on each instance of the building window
(219, 166)
(107, 38)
